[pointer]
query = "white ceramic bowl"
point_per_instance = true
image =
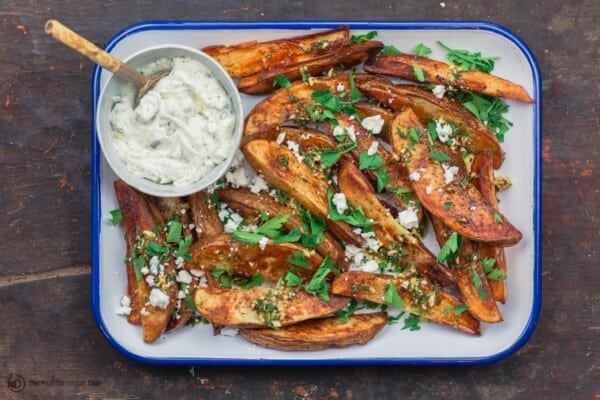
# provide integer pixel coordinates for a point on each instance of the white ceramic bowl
(114, 86)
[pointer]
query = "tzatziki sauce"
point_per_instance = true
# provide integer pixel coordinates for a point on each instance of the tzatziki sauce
(182, 127)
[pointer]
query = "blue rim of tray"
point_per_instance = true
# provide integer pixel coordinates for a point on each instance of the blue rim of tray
(303, 25)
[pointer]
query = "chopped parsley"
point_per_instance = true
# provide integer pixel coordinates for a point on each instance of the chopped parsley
(419, 73)
(412, 323)
(422, 51)
(365, 161)
(459, 309)
(353, 216)
(363, 38)
(389, 50)
(491, 271)
(281, 81)
(488, 109)
(469, 61)
(392, 297)
(116, 216)
(317, 286)
(451, 248)
(330, 157)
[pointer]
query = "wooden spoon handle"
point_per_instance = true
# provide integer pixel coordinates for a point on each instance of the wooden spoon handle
(86, 48)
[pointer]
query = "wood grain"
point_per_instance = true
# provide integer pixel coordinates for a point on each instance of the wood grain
(48, 334)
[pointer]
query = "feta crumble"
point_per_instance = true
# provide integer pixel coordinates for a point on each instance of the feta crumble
(340, 203)
(444, 132)
(449, 172)
(262, 243)
(158, 298)
(408, 218)
(373, 124)
(414, 176)
(373, 148)
(184, 277)
(229, 331)
(439, 91)
(125, 308)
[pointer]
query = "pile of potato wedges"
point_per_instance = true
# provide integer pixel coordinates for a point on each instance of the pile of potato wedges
(314, 238)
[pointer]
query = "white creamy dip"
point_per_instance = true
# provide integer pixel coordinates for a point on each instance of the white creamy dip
(181, 129)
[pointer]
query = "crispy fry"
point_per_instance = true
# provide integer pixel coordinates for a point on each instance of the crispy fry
(476, 138)
(438, 186)
(347, 56)
(418, 297)
(222, 252)
(389, 231)
(262, 307)
(319, 334)
(282, 169)
(205, 217)
(253, 57)
(483, 172)
(402, 66)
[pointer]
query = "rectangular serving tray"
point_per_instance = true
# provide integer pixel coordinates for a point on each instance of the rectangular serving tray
(432, 344)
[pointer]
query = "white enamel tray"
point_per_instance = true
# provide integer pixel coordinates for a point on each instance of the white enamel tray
(432, 344)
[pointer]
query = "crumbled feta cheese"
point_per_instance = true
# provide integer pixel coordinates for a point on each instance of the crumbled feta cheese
(237, 177)
(373, 148)
(351, 133)
(449, 172)
(258, 185)
(197, 272)
(373, 124)
(444, 132)
(229, 331)
(158, 298)
(125, 308)
(341, 87)
(179, 262)
(414, 176)
(181, 294)
(184, 277)
(439, 91)
(473, 208)
(295, 148)
(144, 312)
(370, 266)
(280, 138)
(262, 243)
(145, 270)
(408, 218)
(230, 226)
(428, 190)
(338, 131)
(340, 203)
(150, 280)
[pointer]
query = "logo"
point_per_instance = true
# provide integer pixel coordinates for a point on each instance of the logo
(15, 383)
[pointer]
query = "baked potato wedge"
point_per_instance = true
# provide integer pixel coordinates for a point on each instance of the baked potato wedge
(471, 279)
(403, 65)
(482, 171)
(366, 109)
(472, 134)
(253, 57)
(390, 232)
(139, 217)
(443, 188)
(251, 205)
(288, 105)
(261, 307)
(345, 57)
(282, 169)
(319, 334)
(204, 215)
(418, 297)
(222, 252)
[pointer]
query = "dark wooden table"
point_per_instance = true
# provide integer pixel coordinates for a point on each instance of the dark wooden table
(47, 331)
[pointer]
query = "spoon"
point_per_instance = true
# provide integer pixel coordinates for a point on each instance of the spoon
(107, 61)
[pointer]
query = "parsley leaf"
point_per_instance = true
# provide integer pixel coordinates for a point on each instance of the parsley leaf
(174, 232)
(447, 205)
(355, 217)
(329, 157)
(291, 279)
(298, 260)
(419, 73)
(422, 51)
(116, 216)
(389, 49)
(292, 236)
(451, 248)
(488, 109)
(459, 309)
(254, 281)
(392, 297)
(382, 179)
(271, 228)
(498, 217)
(318, 284)
(246, 237)
(439, 156)
(412, 323)
(365, 161)
(314, 229)
(281, 81)
(468, 61)
(363, 38)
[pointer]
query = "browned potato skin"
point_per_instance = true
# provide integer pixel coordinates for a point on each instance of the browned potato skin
(250, 205)
(205, 217)
(253, 57)
(319, 334)
(288, 105)
(282, 169)
(372, 287)
(348, 56)
(396, 173)
(368, 110)
(484, 310)
(390, 232)
(483, 171)
(222, 252)
(402, 66)
(139, 216)
(426, 105)
(470, 215)
(235, 307)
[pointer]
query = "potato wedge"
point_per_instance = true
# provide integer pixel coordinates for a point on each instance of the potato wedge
(389, 231)
(253, 57)
(418, 297)
(476, 138)
(483, 173)
(347, 57)
(250, 205)
(319, 334)
(282, 169)
(471, 279)
(222, 252)
(402, 66)
(366, 109)
(443, 189)
(204, 215)
(261, 307)
(396, 173)
(289, 105)
(140, 214)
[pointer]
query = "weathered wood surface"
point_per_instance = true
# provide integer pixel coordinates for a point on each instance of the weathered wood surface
(47, 333)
